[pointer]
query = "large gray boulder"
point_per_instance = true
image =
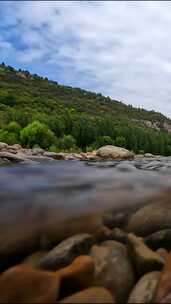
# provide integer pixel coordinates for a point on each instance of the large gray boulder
(114, 153)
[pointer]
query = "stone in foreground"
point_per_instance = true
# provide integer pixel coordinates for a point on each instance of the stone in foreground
(22, 284)
(163, 292)
(151, 218)
(144, 290)
(143, 257)
(91, 295)
(113, 269)
(114, 153)
(64, 253)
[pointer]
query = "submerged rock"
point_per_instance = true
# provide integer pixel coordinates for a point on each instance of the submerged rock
(144, 290)
(64, 253)
(163, 292)
(23, 284)
(143, 257)
(159, 239)
(151, 218)
(114, 152)
(113, 269)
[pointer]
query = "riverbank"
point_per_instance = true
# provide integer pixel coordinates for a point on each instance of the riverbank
(17, 154)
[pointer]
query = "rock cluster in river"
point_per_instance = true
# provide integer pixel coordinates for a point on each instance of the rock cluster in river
(15, 153)
(109, 265)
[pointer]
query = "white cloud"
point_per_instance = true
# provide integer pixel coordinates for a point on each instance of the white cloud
(120, 48)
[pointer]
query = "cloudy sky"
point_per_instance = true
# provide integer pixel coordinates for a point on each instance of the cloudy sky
(122, 49)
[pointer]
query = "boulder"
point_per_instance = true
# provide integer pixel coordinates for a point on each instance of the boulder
(23, 284)
(37, 151)
(91, 295)
(148, 155)
(159, 239)
(114, 152)
(64, 253)
(12, 157)
(16, 147)
(77, 276)
(151, 218)
(54, 155)
(143, 257)
(144, 290)
(113, 269)
(3, 145)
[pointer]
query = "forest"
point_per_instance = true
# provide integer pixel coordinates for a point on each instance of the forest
(37, 112)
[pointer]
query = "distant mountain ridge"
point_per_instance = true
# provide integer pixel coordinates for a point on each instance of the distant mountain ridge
(81, 100)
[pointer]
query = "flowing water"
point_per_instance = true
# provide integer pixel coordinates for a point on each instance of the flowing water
(32, 196)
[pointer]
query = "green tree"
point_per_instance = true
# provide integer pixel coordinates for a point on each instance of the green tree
(37, 133)
(120, 141)
(67, 142)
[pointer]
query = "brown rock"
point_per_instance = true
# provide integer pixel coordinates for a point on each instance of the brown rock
(113, 269)
(22, 284)
(144, 290)
(143, 257)
(91, 295)
(151, 218)
(163, 293)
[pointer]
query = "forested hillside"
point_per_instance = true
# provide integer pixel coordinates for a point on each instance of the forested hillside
(37, 112)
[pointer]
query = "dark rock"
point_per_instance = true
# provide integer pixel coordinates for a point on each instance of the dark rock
(64, 253)
(105, 234)
(144, 290)
(77, 276)
(113, 269)
(159, 239)
(143, 258)
(91, 295)
(113, 219)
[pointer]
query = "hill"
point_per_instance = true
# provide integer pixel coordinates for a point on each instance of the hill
(38, 111)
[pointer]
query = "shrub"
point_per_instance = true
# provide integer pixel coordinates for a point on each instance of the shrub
(67, 142)
(37, 133)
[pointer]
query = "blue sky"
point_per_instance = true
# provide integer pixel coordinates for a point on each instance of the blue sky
(121, 49)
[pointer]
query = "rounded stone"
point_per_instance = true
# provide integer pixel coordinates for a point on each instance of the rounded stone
(113, 269)
(151, 218)
(144, 290)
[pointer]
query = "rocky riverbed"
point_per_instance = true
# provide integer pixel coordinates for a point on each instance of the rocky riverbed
(90, 231)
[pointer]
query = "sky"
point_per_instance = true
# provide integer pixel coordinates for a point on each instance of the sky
(121, 48)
